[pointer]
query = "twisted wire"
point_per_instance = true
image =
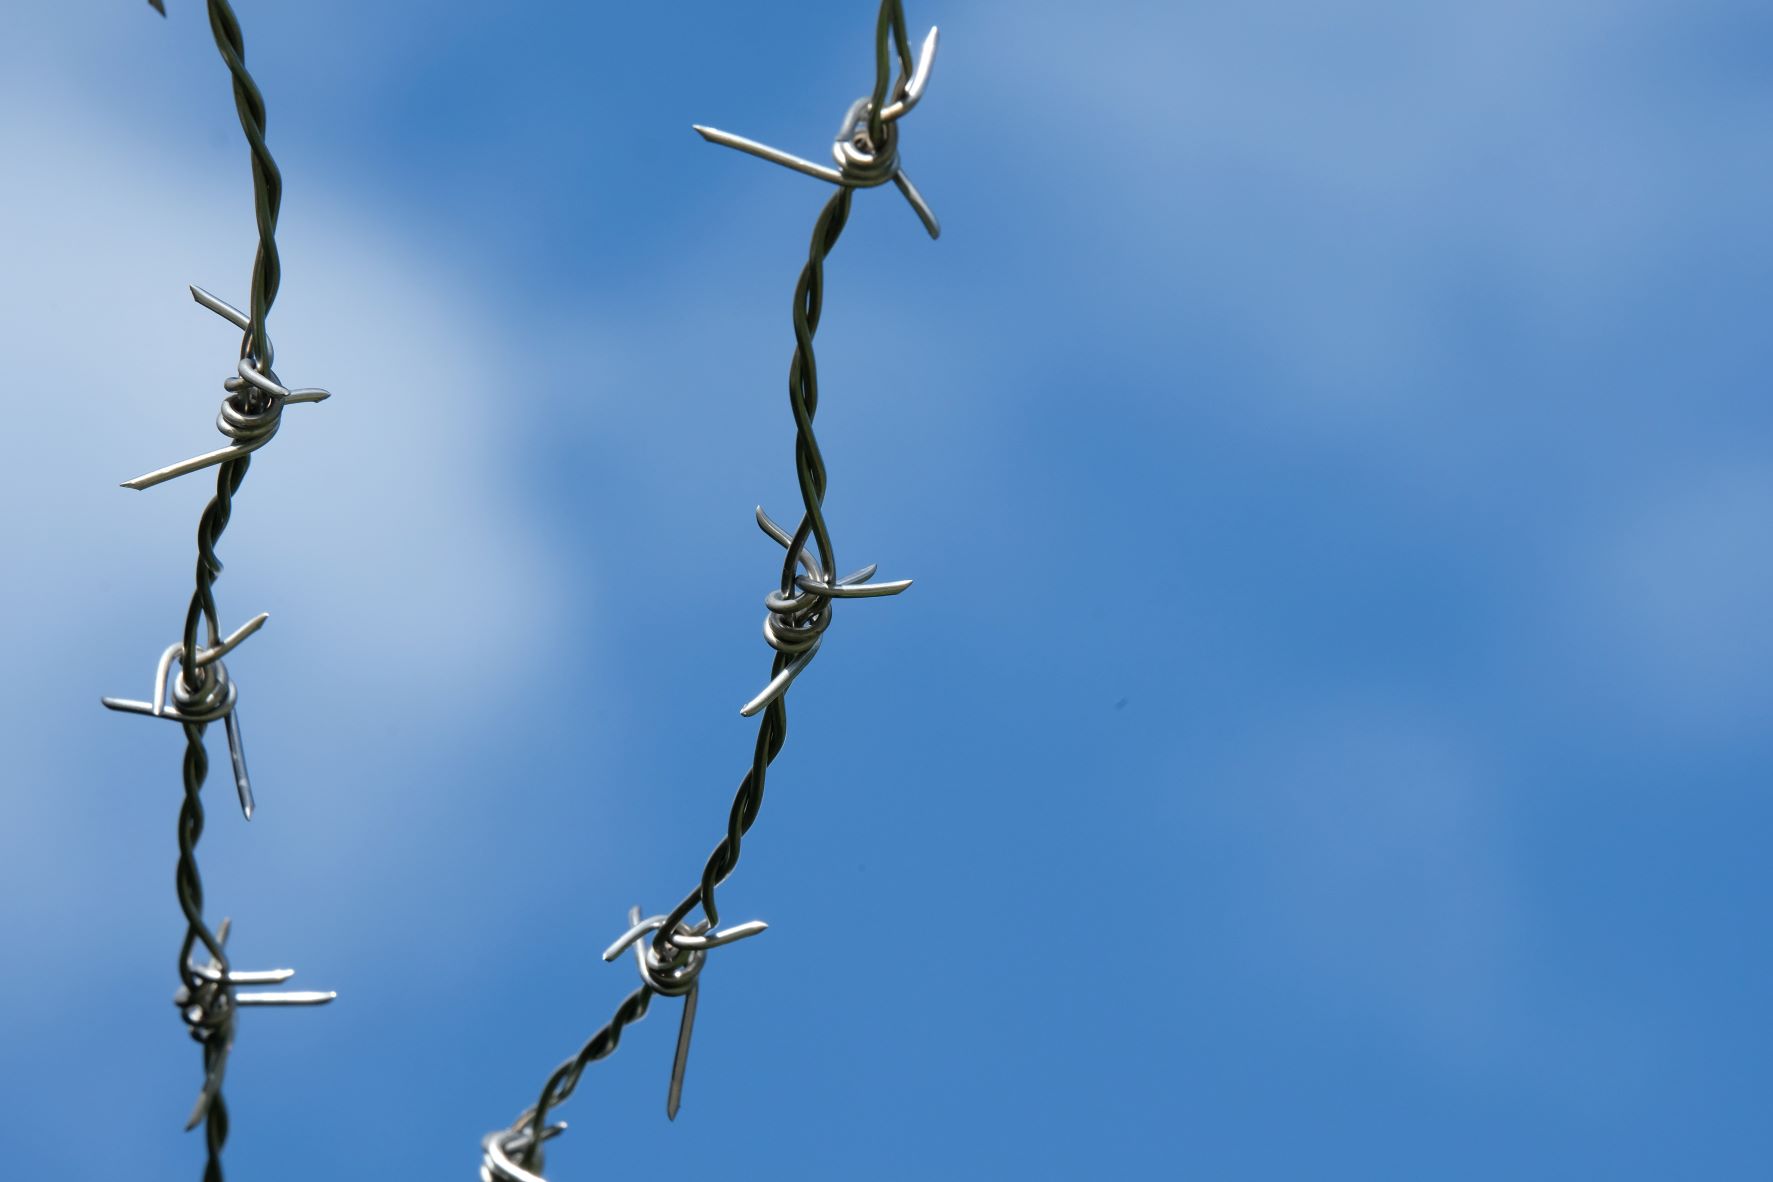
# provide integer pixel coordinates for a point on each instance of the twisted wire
(793, 629)
(890, 23)
(211, 1028)
(215, 1128)
(527, 1141)
(196, 769)
(772, 730)
(246, 401)
(267, 181)
(188, 881)
(809, 465)
(247, 414)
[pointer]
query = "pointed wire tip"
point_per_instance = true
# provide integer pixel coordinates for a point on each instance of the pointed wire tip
(732, 935)
(162, 475)
(706, 133)
(228, 645)
(221, 308)
(680, 1061)
(159, 6)
(309, 997)
(201, 1109)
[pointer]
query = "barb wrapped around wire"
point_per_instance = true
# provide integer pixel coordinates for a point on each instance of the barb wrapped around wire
(250, 414)
(514, 1154)
(210, 695)
(671, 949)
(867, 145)
(800, 613)
(207, 1002)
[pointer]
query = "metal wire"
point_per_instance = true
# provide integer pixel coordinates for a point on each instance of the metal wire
(202, 691)
(670, 949)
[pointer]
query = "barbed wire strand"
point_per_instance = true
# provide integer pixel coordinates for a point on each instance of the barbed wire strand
(267, 188)
(809, 464)
(204, 694)
(799, 614)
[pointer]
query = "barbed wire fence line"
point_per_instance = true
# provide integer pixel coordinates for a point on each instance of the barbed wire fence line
(193, 688)
(191, 682)
(671, 950)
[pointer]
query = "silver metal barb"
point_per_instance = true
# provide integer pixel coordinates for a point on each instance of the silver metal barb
(866, 148)
(686, 1027)
(502, 1149)
(672, 965)
(207, 1003)
(214, 696)
(249, 421)
(689, 941)
(796, 624)
(920, 78)
(233, 641)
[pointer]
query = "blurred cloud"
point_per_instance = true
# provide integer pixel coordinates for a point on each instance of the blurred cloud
(1671, 600)
(1354, 198)
(386, 530)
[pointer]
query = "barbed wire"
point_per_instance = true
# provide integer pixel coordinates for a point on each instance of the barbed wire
(202, 692)
(671, 950)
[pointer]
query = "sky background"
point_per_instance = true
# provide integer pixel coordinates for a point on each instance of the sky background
(1328, 736)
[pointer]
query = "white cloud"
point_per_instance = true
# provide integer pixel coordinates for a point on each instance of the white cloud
(1350, 195)
(386, 530)
(1666, 603)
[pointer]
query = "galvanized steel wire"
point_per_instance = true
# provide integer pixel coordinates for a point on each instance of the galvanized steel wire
(671, 949)
(202, 692)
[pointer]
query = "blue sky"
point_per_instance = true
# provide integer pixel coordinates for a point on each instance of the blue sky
(1328, 734)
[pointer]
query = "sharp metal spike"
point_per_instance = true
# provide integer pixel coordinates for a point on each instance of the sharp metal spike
(680, 1062)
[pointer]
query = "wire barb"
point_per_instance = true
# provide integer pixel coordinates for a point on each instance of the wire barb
(796, 622)
(251, 413)
(676, 973)
(210, 696)
(866, 148)
(208, 1001)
